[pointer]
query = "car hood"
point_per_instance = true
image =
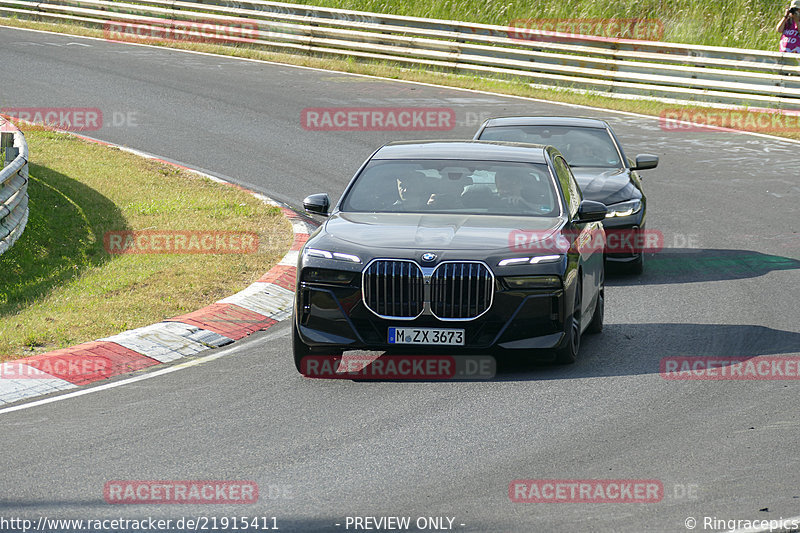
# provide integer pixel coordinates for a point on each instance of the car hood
(606, 185)
(411, 231)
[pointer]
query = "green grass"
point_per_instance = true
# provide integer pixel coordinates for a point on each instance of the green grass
(59, 286)
(735, 23)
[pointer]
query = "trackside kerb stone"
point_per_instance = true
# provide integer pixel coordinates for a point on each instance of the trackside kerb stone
(226, 319)
(89, 362)
(165, 341)
(282, 276)
(265, 299)
(15, 389)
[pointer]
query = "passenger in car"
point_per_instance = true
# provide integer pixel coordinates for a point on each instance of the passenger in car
(448, 192)
(478, 196)
(414, 192)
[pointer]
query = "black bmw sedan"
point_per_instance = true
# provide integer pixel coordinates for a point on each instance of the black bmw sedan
(465, 246)
(603, 172)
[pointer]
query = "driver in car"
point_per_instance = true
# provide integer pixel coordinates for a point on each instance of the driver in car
(512, 188)
(586, 154)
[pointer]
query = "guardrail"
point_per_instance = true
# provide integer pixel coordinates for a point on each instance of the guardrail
(13, 185)
(625, 68)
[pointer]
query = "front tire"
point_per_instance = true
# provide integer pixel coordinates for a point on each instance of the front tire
(569, 352)
(596, 326)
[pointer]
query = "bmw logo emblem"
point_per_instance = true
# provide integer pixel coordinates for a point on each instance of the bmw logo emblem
(428, 257)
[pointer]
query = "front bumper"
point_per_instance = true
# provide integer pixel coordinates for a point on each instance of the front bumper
(624, 236)
(336, 318)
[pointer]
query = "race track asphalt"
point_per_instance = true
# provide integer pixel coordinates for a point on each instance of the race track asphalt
(726, 284)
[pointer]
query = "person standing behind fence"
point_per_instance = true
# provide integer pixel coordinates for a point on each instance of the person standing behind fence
(790, 41)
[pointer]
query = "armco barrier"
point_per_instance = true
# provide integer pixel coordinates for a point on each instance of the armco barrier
(13, 185)
(626, 68)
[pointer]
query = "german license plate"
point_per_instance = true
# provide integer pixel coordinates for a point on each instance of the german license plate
(437, 336)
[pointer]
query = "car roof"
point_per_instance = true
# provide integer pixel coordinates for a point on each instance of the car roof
(578, 122)
(464, 150)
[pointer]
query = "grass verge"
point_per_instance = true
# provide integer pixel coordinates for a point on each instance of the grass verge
(59, 284)
(745, 120)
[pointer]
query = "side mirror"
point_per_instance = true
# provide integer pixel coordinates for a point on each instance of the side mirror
(645, 161)
(317, 204)
(590, 211)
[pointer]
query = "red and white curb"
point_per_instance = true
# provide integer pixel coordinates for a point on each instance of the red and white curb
(256, 308)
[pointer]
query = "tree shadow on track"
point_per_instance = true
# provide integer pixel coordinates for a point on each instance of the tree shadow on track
(621, 350)
(634, 349)
(691, 265)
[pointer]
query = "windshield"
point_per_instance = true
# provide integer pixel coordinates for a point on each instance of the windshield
(582, 147)
(448, 186)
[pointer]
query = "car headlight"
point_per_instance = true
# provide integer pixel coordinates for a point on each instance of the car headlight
(532, 282)
(324, 275)
(624, 209)
(535, 260)
(338, 256)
